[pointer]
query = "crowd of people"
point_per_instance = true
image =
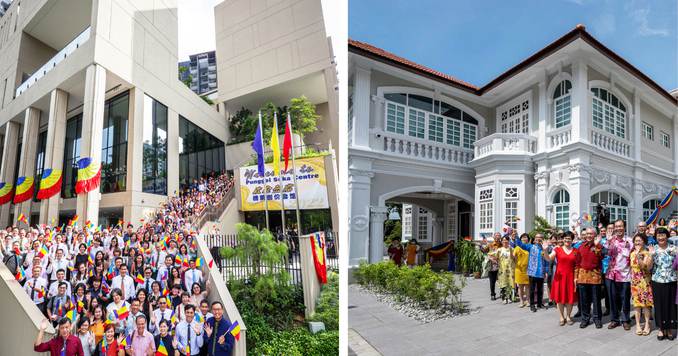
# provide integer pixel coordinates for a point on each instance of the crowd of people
(636, 272)
(129, 289)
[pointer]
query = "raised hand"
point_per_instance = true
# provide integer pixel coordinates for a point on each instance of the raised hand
(174, 342)
(44, 324)
(651, 249)
(208, 329)
(545, 245)
(196, 328)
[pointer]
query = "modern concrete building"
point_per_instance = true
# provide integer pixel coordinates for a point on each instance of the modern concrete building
(202, 70)
(4, 5)
(275, 51)
(104, 85)
(572, 126)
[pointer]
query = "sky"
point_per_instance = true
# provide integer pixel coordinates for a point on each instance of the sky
(196, 26)
(477, 40)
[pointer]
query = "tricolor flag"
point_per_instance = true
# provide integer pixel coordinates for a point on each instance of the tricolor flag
(258, 147)
(169, 303)
(287, 141)
(165, 292)
(199, 318)
(22, 218)
(73, 220)
(80, 306)
(50, 184)
(5, 193)
(234, 330)
(71, 315)
(24, 189)
(198, 262)
(275, 145)
(43, 251)
(89, 259)
(185, 262)
(121, 313)
(126, 341)
(177, 259)
(162, 350)
(89, 175)
(140, 279)
(318, 250)
(88, 224)
(41, 292)
(20, 274)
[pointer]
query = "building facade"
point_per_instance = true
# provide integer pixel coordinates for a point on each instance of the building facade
(202, 70)
(102, 85)
(572, 126)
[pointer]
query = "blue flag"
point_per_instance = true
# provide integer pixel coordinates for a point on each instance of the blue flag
(258, 147)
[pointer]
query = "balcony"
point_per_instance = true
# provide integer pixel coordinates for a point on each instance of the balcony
(558, 137)
(413, 148)
(611, 143)
(54, 61)
(505, 144)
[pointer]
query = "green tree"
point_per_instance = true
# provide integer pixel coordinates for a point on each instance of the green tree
(189, 79)
(255, 248)
(541, 225)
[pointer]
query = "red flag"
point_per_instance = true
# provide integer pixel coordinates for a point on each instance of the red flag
(287, 140)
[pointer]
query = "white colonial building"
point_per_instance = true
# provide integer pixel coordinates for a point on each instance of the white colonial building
(571, 126)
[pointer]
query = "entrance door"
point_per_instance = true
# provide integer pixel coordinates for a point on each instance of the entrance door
(465, 222)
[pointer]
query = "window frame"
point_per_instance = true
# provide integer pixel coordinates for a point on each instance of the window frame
(486, 208)
(559, 101)
(561, 209)
(612, 117)
(647, 131)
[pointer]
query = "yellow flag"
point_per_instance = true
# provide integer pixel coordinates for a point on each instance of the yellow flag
(275, 146)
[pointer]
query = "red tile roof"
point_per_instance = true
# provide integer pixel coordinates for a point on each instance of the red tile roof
(579, 31)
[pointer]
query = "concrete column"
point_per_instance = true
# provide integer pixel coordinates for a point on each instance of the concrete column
(580, 102)
(54, 150)
(377, 218)
(28, 151)
(635, 120)
(309, 278)
(361, 107)
(135, 138)
(359, 185)
(172, 153)
(9, 164)
(580, 182)
(92, 126)
(636, 208)
(541, 179)
(332, 121)
(543, 117)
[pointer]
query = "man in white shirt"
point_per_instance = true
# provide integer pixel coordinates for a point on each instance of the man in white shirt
(148, 280)
(125, 283)
(36, 288)
(58, 263)
(54, 286)
(162, 313)
(164, 270)
(192, 275)
(130, 323)
(189, 334)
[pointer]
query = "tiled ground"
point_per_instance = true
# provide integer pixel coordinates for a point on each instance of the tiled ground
(497, 329)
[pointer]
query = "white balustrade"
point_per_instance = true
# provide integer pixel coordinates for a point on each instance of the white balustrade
(611, 143)
(409, 147)
(60, 56)
(559, 137)
(501, 143)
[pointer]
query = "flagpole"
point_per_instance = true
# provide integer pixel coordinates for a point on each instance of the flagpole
(261, 129)
(294, 176)
(280, 181)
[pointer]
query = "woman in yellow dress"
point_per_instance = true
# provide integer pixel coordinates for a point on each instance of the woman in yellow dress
(521, 257)
(505, 257)
(641, 286)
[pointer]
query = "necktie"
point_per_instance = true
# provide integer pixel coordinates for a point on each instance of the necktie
(146, 288)
(33, 291)
(188, 337)
(194, 280)
(214, 336)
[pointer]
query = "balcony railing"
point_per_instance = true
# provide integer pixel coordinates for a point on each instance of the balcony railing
(410, 147)
(610, 143)
(559, 137)
(503, 143)
(60, 56)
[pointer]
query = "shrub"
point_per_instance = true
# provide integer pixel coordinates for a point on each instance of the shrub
(420, 284)
(327, 308)
(300, 342)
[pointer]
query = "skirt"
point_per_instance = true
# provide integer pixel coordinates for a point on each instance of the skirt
(665, 316)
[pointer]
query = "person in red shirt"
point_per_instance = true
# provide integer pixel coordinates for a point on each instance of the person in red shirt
(588, 278)
(64, 344)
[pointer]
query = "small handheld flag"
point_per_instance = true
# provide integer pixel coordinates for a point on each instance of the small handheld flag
(162, 350)
(121, 313)
(71, 315)
(22, 218)
(20, 274)
(140, 279)
(43, 251)
(234, 330)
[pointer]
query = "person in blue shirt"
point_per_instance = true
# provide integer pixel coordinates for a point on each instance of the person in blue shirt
(536, 270)
(219, 341)
(189, 333)
(605, 263)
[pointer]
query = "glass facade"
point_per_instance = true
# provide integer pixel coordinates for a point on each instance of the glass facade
(154, 179)
(114, 145)
(71, 156)
(200, 154)
(39, 162)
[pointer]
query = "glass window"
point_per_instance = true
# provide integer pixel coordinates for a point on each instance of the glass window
(435, 128)
(397, 97)
(420, 102)
(114, 145)
(617, 204)
(469, 135)
(39, 162)
(648, 131)
(417, 122)
(486, 209)
(395, 118)
(154, 178)
(666, 140)
(562, 105)
(561, 205)
(71, 156)
(608, 113)
(201, 154)
(453, 132)
(649, 207)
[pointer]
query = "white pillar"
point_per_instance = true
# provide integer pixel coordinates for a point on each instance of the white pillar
(172, 152)
(9, 164)
(636, 126)
(54, 150)
(377, 218)
(543, 117)
(361, 107)
(580, 102)
(28, 156)
(636, 209)
(92, 127)
(541, 180)
(359, 185)
(135, 147)
(580, 183)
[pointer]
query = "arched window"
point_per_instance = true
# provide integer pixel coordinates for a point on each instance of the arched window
(425, 118)
(562, 104)
(649, 208)
(609, 113)
(561, 208)
(617, 204)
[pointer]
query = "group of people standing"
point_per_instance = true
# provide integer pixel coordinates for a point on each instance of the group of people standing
(636, 272)
(122, 291)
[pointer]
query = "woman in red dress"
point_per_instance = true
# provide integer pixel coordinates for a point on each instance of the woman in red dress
(564, 289)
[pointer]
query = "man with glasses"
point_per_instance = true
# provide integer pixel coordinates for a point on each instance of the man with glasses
(618, 276)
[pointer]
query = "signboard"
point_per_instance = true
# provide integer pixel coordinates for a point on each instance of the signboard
(311, 183)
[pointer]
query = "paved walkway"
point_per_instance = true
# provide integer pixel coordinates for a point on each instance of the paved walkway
(496, 329)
